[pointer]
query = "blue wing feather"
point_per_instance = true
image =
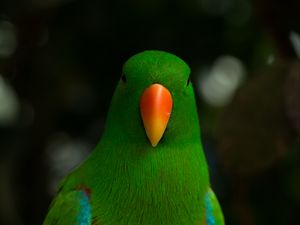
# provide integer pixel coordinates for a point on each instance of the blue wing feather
(70, 208)
(84, 216)
(214, 215)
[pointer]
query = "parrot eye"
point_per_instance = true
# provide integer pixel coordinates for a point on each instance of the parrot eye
(188, 81)
(124, 79)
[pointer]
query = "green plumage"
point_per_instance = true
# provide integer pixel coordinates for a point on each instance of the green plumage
(129, 181)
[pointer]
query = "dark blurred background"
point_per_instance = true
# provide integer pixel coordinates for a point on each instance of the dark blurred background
(61, 59)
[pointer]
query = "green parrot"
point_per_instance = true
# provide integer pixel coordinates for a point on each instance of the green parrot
(149, 167)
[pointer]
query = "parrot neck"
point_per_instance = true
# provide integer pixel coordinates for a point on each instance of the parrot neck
(167, 179)
(176, 163)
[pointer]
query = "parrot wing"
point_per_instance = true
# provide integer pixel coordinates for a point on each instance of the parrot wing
(72, 207)
(214, 215)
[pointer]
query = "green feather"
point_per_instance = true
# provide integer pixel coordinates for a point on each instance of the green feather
(131, 182)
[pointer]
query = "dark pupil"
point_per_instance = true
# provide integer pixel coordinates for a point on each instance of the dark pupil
(188, 81)
(124, 79)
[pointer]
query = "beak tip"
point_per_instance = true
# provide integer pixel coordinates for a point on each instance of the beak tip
(153, 144)
(153, 140)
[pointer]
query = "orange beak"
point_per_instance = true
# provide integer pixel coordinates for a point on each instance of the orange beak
(156, 107)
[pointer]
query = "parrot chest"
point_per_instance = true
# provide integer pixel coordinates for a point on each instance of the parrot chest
(148, 204)
(149, 191)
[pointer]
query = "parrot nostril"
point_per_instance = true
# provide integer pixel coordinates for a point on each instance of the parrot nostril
(156, 83)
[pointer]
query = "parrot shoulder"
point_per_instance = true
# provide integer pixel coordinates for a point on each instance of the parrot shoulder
(214, 215)
(70, 207)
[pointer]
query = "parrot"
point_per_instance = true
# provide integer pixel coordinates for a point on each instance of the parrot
(148, 167)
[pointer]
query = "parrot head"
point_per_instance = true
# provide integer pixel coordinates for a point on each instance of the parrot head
(154, 99)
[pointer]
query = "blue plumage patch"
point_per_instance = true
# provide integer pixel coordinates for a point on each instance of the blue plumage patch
(210, 219)
(85, 214)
